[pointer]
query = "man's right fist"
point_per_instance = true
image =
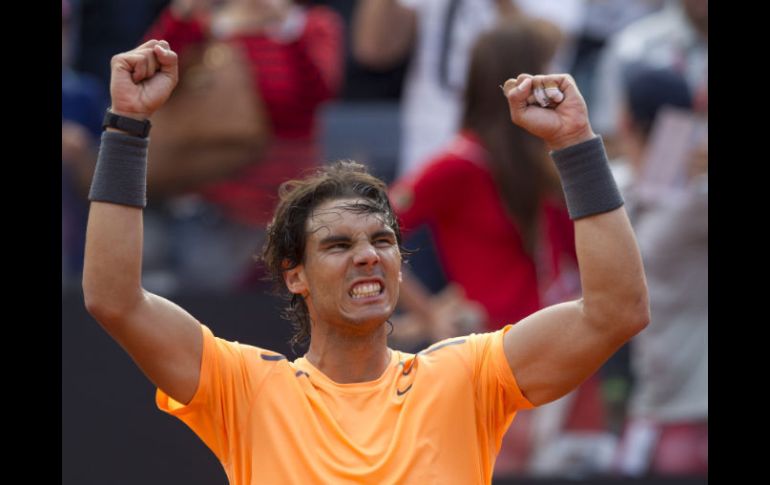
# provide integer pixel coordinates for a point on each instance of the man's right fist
(142, 79)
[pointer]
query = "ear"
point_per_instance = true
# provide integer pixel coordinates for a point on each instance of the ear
(400, 277)
(295, 280)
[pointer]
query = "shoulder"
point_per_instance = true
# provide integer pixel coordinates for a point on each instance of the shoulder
(448, 350)
(452, 344)
(470, 352)
(236, 351)
(445, 360)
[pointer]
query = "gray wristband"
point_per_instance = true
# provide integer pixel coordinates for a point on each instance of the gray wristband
(589, 187)
(120, 176)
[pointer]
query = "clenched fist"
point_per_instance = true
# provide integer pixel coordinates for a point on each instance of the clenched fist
(142, 79)
(550, 107)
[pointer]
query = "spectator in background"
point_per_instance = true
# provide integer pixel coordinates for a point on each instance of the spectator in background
(496, 209)
(295, 55)
(490, 196)
(667, 427)
(601, 20)
(83, 105)
(439, 34)
(676, 37)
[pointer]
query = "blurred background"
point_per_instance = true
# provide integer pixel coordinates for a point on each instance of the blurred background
(270, 89)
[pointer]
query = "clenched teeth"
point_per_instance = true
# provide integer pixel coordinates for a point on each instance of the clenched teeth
(365, 290)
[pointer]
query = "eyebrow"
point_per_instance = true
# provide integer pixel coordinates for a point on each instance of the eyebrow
(333, 239)
(384, 232)
(338, 238)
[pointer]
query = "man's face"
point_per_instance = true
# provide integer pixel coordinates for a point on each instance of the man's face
(352, 268)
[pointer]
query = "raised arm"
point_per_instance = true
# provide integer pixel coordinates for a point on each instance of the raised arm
(383, 32)
(163, 339)
(552, 351)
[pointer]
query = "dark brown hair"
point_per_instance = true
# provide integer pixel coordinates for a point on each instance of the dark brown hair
(518, 160)
(287, 234)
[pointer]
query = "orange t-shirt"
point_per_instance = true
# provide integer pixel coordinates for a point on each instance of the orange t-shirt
(434, 417)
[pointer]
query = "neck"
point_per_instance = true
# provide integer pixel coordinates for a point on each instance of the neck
(346, 358)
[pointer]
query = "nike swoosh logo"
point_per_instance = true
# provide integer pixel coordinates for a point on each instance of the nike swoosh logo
(401, 393)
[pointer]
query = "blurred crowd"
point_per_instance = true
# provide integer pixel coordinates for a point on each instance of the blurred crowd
(270, 89)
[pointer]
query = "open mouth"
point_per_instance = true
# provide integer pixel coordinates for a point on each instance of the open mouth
(366, 290)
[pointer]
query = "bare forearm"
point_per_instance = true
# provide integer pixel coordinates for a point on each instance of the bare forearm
(113, 258)
(552, 351)
(612, 277)
(140, 82)
(383, 32)
(163, 339)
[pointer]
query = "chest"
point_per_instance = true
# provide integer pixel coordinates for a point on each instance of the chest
(403, 431)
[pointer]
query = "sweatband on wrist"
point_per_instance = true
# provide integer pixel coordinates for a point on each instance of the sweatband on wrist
(120, 176)
(588, 184)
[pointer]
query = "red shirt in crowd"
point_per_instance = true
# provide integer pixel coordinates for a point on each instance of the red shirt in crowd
(292, 79)
(479, 246)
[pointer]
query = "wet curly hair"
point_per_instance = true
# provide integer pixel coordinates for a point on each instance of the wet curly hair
(287, 235)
